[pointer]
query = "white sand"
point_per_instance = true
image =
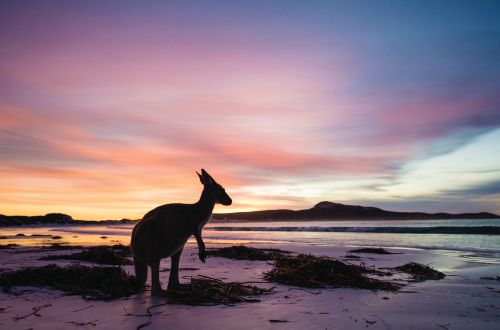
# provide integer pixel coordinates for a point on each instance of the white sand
(461, 301)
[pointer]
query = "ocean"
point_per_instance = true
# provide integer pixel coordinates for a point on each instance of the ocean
(474, 239)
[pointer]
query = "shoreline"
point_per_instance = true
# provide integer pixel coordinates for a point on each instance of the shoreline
(481, 255)
(483, 248)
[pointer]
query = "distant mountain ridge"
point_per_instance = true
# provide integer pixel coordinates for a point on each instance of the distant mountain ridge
(337, 211)
(320, 211)
(52, 219)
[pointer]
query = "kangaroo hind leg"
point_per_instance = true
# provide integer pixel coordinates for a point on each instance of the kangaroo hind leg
(155, 279)
(141, 270)
(173, 280)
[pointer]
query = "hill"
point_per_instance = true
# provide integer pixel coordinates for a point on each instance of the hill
(52, 219)
(338, 211)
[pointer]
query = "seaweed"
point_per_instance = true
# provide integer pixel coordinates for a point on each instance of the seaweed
(493, 278)
(352, 256)
(241, 252)
(8, 246)
(371, 250)
(59, 246)
(109, 255)
(307, 270)
(96, 283)
(323, 272)
(204, 290)
(420, 272)
(123, 250)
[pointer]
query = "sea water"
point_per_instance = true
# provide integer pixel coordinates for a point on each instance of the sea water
(474, 238)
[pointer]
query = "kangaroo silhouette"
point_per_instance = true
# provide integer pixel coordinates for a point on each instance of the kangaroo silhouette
(164, 231)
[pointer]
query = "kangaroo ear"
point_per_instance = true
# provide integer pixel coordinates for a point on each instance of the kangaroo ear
(201, 178)
(206, 177)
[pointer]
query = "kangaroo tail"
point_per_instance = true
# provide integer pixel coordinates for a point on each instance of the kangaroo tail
(141, 270)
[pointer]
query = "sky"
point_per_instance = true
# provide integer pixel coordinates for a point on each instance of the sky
(107, 108)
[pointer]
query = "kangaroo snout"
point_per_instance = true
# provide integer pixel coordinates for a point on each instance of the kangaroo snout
(227, 201)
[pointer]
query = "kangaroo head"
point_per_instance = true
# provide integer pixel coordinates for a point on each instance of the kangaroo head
(218, 192)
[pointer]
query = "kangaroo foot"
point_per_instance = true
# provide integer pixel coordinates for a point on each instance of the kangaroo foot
(158, 292)
(178, 287)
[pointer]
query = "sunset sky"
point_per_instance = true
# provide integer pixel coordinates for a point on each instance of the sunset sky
(107, 108)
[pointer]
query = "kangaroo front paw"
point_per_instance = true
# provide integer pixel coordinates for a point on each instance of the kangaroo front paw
(202, 256)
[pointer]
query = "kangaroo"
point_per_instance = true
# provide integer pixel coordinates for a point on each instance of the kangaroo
(164, 231)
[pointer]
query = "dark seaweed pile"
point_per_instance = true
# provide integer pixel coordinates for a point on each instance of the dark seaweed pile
(493, 278)
(7, 246)
(322, 272)
(420, 272)
(371, 250)
(98, 283)
(108, 255)
(210, 291)
(59, 246)
(240, 252)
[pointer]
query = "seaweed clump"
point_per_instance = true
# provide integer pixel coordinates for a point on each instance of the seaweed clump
(323, 272)
(59, 246)
(114, 255)
(420, 272)
(371, 250)
(241, 252)
(204, 290)
(8, 246)
(493, 278)
(96, 283)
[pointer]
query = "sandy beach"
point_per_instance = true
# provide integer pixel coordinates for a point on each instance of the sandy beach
(460, 301)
